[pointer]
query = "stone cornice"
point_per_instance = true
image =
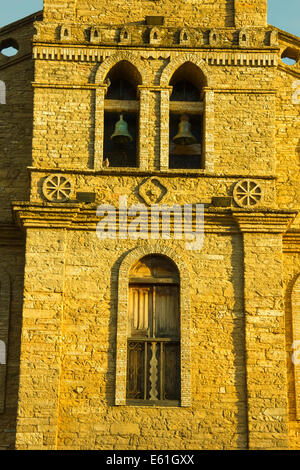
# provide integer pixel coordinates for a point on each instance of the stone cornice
(286, 36)
(215, 57)
(291, 242)
(80, 216)
(139, 172)
(83, 217)
(36, 215)
(92, 86)
(270, 221)
(260, 91)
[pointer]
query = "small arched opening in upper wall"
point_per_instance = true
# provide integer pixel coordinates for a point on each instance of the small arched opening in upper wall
(9, 47)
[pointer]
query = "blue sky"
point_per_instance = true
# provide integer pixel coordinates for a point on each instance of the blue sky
(283, 14)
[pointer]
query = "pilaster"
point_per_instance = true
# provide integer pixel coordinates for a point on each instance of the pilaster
(266, 374)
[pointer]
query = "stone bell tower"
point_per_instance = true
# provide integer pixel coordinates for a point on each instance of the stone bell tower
(120, 331)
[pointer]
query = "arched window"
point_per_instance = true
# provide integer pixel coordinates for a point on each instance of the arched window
(186, 118)
(121, 116)
(153, 334)
(2, 92)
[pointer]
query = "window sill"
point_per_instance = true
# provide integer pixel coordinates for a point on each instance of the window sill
(154, 403)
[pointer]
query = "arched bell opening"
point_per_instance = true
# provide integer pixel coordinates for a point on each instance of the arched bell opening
(186, 118)
(121, 116)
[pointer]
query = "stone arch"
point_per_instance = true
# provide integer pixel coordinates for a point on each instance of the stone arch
(2, 92)
(112, 60)
(173, 65)
(122, 315)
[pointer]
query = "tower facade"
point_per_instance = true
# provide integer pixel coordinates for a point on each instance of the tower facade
(150, 236)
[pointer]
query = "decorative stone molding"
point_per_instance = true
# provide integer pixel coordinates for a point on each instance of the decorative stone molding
(69, 53)
(79, 216)
(291, 242)
(269, 221)
(154, 248)
(152, 191)
(247, 193)
(212, 58)
(57, 188)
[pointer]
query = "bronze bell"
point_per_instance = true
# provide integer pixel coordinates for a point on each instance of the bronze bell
(121, 134)
(184, 136)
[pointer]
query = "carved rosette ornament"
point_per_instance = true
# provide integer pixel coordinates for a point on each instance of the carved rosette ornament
(247, 193)
(57, 188)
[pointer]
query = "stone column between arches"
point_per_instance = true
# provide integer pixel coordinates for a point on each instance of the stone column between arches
(296, 341)
(99, 126)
